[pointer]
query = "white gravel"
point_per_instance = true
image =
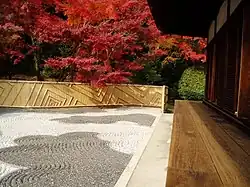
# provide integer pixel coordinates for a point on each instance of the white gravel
(122, 133)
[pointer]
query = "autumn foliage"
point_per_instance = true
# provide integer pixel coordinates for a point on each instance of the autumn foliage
(109, 40)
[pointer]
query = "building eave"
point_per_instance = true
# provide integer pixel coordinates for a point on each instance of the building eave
(183, 17)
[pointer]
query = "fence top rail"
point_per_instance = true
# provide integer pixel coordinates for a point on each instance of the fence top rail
(75, 83)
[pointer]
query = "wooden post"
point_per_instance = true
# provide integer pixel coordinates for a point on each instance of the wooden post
(164, 98)
(213, 73)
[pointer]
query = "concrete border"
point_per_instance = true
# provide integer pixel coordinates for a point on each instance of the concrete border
(151, 170)
(128, 171)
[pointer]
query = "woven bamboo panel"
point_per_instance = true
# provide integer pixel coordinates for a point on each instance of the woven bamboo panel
(52, 94)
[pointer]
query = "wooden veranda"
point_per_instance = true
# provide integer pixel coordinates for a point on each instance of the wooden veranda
(207, 149)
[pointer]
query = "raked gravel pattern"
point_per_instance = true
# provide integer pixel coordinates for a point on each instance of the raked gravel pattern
(70, 147)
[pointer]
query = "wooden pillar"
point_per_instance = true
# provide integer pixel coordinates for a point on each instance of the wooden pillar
(244, 83)
(207, 71)
(211, 72)
(213, 97)
(164, 101)
(210, 62)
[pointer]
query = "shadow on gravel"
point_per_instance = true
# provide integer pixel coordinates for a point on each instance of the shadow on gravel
(9, 110)
(140, 119)
(67, 110)
(57, 110)
(69, 160)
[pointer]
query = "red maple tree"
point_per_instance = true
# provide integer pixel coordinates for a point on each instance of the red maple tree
(110, 39)
(28, 20)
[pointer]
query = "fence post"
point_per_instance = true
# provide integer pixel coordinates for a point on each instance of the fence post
(164, 98)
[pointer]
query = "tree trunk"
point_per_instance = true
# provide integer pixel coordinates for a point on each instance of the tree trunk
(9, 68)
(9, 75)
(72, 73)
(37, 63)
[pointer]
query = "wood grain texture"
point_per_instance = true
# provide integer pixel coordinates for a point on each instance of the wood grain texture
(244, 80)
(231, 161)
(206, 150)
(52, 94)
(190, 163)
(237, 134)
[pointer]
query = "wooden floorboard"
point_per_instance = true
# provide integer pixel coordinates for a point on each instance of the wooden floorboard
(237, 134)
(190, 163)
(206, 150)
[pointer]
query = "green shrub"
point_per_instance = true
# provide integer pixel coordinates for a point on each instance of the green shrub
(150, 74)
(192, 84)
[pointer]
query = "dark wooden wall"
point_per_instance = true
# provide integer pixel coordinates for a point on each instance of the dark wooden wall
(244, 88)
(228, 72)
(233, 61)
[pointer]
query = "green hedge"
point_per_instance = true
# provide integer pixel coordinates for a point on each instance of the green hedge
(192, 84)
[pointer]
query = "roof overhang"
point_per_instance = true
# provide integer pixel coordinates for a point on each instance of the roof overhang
(184, 17)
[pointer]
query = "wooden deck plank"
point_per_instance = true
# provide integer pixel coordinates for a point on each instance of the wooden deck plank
(231, 161)
(190, 163)
(241, 138)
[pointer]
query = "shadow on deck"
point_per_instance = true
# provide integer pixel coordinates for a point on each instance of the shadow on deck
(206, 149)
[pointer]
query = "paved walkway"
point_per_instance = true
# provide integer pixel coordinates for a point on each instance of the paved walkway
(76, 147)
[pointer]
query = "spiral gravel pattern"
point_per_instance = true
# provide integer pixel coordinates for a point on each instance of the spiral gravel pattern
(69, 149)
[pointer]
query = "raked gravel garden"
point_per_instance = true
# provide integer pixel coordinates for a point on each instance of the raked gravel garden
(70, 147)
